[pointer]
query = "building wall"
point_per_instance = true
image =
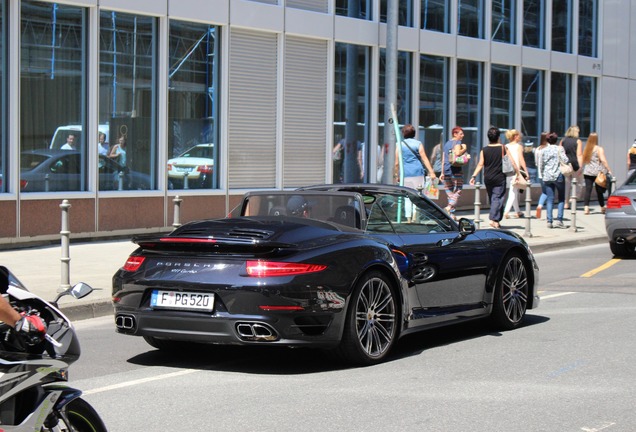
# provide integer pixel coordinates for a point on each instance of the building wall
(260, 142)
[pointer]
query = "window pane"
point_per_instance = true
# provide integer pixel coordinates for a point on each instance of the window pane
(533, 19)
(532, 88)
(470, 20)
(560, 102)
(192, 97)
(433, 106)
(351, 111)
(127, 105)
(405, 12)
(562, 26)
(588, 25)
(469, 107)
(502, 91)
(52, 89)
(503, 20)
(586, 99)
(403, 107)
(354, 9)
(435, 15)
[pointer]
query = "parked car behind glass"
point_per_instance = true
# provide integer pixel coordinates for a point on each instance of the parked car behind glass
(60, 170)
(196, 163)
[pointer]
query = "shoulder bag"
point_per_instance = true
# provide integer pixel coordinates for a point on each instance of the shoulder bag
(506, 164)
(601, 179)
(566, 168)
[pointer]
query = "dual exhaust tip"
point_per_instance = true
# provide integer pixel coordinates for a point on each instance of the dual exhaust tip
(254, 331)
(126, 322)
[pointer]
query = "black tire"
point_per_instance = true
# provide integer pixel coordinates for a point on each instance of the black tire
(622, 250)
(371, 325)
(510, 300)
(82, 417)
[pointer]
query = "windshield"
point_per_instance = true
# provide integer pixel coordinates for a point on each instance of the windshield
(199, 152)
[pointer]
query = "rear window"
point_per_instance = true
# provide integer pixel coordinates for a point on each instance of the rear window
(341, 209)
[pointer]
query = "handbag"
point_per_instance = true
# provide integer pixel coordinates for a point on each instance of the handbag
(506, 164)
(601, 180)
(458, 160)
(520, 183)
(566, 169)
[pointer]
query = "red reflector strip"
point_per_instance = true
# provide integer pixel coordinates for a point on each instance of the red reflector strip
(617, 201)
(281, 308)
(133, 263)
(186, 240)
(270, 268)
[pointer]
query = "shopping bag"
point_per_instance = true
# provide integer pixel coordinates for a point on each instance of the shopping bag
(430, 189)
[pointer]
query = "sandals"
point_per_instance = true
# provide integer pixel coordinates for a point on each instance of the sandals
(586, 210)
(495, 224)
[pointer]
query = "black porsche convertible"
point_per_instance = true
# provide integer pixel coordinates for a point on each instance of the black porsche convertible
(350, 268)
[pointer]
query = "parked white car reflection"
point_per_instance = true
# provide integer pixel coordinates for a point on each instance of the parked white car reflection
(194, 166)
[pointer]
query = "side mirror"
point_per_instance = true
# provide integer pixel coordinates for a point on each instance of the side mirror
(81, 290)
(78, 291)
(466, 226)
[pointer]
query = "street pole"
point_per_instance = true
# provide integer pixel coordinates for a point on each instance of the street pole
(390, 87)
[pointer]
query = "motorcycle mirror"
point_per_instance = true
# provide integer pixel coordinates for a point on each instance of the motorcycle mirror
(78, 291)
(81, 290)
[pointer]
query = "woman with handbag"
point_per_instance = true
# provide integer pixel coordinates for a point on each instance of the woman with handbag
(452, 174)
(491, 161)
(515, 148)
(574, 151)
(595, 168)
(550, 161)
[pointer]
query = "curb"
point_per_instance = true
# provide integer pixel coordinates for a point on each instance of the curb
(98, 308)
(550, 247)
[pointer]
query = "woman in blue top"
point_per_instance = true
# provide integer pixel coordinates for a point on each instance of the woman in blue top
(414, 160)
(452, 175)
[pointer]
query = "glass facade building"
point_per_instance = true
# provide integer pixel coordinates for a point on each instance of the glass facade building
(121, 109)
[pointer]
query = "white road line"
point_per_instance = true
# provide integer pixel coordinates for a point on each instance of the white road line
(556, 295)
(140, 381)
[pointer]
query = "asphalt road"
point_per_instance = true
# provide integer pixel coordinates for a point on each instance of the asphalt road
(570, 368)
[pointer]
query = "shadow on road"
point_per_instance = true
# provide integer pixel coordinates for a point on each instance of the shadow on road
(291, 361)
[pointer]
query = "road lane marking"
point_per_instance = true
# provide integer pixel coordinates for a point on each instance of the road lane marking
(139, 381)
(556, 295)
(601, 268)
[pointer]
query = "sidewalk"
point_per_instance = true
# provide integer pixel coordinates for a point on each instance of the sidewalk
(39, 268)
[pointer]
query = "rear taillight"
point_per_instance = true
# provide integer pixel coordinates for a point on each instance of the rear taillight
(617, 201)
(169, 167)
(205, 169)
(23, 184)
(270, 268)
(133, 263)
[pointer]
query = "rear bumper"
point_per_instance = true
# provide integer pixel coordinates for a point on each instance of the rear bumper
(226, 329)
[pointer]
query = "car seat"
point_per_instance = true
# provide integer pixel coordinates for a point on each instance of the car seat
(347, 215)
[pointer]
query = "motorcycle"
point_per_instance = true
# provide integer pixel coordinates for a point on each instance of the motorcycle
(31, 396)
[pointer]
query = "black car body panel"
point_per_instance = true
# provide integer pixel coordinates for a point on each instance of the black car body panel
(440, 272)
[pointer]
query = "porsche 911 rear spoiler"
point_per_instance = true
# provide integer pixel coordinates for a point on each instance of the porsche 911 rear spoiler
(210, 244)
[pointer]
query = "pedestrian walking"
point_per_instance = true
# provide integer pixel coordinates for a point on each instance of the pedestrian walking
(550, 161)
(515, 148)
(574, 151)
(594, 165)
(452, 175)
(543, 143)
(490, 160)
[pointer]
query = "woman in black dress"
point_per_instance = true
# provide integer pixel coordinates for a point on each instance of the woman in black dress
(574, 151)
(490, 159)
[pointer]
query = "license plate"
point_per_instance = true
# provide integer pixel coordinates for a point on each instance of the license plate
(182, 300)
(184, 169)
